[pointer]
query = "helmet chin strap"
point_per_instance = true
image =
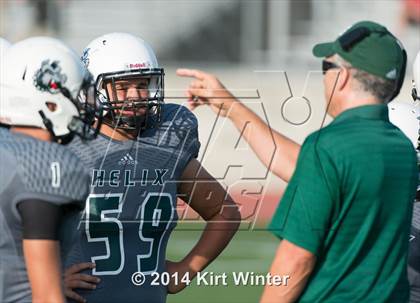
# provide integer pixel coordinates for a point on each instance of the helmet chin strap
(137, 123)
(49, 126)
(134, 123)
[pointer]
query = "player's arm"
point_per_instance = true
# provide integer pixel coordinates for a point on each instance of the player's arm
(292, 261)
(209, 199)
(210, 91)
(40, 222)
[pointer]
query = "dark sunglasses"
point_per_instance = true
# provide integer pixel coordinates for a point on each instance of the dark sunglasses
(327, 65)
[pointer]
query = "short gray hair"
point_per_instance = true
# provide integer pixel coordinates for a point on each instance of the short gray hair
(378, 87)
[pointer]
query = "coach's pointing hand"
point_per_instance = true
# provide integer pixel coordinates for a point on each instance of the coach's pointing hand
(207, 89)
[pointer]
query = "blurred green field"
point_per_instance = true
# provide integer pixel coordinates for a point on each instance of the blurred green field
(249, 251)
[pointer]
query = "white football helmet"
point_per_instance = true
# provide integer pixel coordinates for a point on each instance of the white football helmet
(4, 45)
(121, 56)
(43, 85)
(405, 117)
(416, 78)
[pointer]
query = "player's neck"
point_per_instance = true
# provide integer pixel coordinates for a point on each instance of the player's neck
(116, 134)
(38, 133)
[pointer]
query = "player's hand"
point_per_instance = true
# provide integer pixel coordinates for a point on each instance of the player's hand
(181, 269)
(74, 279)
(206, 89)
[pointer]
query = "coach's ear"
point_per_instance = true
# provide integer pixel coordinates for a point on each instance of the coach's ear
(344, 79)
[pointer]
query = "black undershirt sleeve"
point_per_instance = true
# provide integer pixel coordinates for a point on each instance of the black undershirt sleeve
(40, 219)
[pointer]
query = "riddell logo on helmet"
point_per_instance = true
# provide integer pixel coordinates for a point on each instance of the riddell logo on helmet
(138, 65)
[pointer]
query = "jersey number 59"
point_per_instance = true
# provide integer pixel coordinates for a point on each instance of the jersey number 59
(156, 215)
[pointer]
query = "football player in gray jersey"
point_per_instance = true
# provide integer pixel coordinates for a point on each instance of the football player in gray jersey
(42, 184)
(143, 160)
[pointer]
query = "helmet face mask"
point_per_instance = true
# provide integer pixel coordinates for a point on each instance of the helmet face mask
(132, 99)
(89, 121)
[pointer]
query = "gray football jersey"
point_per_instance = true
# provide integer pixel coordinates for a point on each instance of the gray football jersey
(32, 169)
(131, 210)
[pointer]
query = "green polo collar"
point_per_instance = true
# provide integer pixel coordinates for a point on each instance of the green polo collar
(371, 112)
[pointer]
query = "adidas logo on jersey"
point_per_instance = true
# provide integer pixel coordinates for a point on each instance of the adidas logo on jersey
(127, 160)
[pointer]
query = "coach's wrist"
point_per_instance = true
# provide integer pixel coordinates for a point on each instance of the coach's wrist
(233, 108)
(238, 112)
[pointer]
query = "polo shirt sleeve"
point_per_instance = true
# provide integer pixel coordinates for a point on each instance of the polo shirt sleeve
(306, 211)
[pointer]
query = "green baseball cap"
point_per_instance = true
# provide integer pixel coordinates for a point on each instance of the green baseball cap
(370, 47)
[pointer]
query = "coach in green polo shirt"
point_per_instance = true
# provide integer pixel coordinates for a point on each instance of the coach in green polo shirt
(344, 219)
(345, 216)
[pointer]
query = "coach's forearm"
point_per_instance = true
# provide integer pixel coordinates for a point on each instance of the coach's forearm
(214, 239)
(275, 151)
(294, 262)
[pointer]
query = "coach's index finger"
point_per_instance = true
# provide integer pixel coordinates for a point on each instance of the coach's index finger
(195, 73)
